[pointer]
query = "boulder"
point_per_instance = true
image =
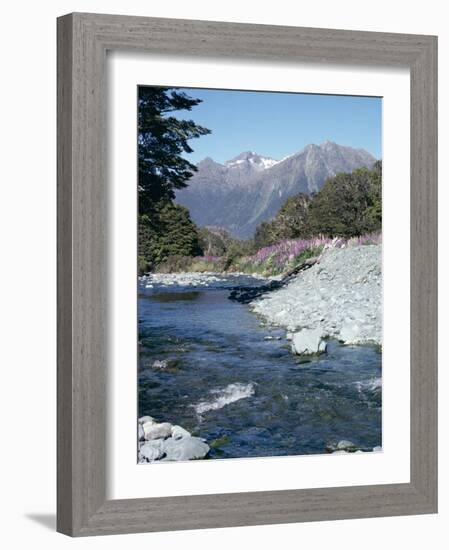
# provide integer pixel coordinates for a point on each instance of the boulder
(178, 432)
(144, 419)
(156, 431)
(151, 450)
(140, 432)
(186, 448)
(345, 445)
(308, 342)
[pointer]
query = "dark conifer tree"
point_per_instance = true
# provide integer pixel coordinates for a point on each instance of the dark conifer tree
(162, 140)
(165, 229)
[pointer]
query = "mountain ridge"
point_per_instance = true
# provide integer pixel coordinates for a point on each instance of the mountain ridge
(250, 188)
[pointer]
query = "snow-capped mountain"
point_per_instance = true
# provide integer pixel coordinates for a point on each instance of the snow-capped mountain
(249, 189)
(250, 160)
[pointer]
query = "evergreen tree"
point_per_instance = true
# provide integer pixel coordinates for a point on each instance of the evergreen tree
(162, 140)
(168, 231)
(164, 228)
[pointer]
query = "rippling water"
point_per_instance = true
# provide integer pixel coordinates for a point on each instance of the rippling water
(224, 380)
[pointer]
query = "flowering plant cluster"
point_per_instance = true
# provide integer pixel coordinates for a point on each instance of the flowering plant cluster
(279, 257)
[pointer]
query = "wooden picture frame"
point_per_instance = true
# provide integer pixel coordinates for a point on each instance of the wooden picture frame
(83, 40)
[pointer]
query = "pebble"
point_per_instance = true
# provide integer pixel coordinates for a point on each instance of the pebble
(180, 279)
(159, 364)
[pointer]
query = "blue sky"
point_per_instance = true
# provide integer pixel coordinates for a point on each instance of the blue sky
(279, 124)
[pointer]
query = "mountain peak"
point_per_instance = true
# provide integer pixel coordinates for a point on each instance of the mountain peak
(207, 161)
(245, 155)
(251, 159)
(328, 143)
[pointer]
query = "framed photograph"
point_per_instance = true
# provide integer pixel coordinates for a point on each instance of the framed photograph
(247, 274)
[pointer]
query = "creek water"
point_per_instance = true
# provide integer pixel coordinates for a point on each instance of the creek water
(210, 365)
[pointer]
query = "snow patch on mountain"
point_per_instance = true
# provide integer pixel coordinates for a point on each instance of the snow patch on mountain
(251, 160)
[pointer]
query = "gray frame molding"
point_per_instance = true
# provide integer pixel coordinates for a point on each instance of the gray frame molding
(83, 40)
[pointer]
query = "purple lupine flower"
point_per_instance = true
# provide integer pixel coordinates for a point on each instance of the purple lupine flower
(279, 255)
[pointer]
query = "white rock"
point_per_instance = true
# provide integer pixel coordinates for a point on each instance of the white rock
(308, 342)
(345, 445)
(187, 448)
(322, 347)
(145, 419)
(151, 450)
(350, 333)
(156, 431)
(141, 432)
(160, 364)
(178, 432)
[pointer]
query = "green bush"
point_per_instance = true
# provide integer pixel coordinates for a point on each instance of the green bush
(348, 205)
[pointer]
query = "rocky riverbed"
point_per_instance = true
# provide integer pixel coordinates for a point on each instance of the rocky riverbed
(194, 280)
(339, 297)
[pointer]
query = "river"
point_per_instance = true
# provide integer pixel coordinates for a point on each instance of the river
(228, 378)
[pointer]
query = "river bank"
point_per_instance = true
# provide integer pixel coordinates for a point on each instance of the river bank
(340, 296)
(274, 260)
(210, 365)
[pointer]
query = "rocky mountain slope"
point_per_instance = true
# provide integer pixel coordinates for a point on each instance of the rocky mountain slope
(249, 189)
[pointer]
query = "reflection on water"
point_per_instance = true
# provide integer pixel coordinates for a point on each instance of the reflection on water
(174, 296)
(246, 395)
